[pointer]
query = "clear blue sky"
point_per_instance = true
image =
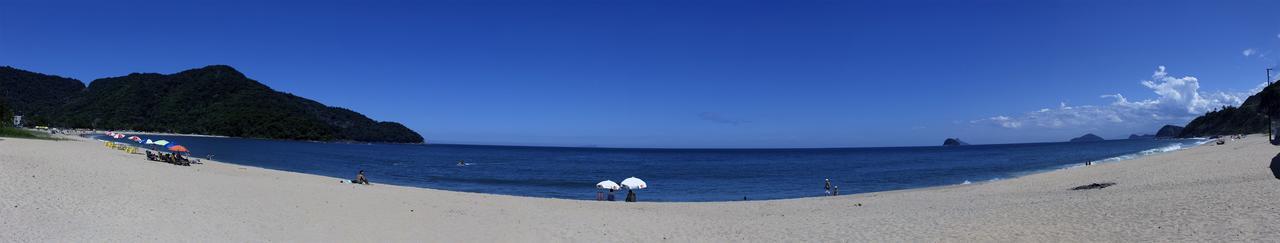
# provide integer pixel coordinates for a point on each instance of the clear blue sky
(690, 73)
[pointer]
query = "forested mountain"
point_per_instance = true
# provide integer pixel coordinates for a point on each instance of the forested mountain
(35, 95)
(1228, 120)
(216, 100)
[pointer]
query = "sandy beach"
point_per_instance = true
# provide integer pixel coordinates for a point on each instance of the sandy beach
(77, 190)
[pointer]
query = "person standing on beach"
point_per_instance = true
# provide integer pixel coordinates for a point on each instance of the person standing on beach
(599, 195)
(631, 195)
(827, 188)
(610, 197)
(835, 191)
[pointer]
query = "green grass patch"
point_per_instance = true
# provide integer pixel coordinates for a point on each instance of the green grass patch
(23, 133)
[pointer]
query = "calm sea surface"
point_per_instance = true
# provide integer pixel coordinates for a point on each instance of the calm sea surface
(672, 174)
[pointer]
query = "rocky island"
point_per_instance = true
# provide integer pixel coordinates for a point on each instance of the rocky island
(953, 142)
(1087, 138)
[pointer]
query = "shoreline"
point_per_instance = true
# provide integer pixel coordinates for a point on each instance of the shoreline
(89, 193)
(1066, 166)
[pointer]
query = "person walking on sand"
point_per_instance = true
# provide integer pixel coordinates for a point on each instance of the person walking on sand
(827, 188)
(360, 178)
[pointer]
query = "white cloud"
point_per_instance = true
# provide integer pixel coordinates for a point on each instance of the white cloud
(1249, 52)
(1178, 100)
(1005, 121)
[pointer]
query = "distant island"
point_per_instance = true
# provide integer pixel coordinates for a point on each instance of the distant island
(213, 100)
(1087, 138)
(953, 142)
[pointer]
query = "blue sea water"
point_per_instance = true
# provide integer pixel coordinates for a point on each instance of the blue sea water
(672, 174)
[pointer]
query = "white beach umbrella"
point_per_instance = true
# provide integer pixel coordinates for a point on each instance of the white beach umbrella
(634, 183)
(607, 185)
(150, 142)
(161, 142)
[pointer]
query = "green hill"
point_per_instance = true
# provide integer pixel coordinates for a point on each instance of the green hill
(216, 100)
(1248, 118)
(35, 96)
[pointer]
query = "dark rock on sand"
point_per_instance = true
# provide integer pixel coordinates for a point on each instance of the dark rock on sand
(1093, 186)
(1275, 166)
(953, 142)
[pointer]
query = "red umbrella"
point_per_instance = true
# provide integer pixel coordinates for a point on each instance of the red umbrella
(136, 139)
(179, 148)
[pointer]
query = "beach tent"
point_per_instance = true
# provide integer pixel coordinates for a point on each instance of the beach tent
(178, 148)
(607, 185)
(634, 183)
(149, 142)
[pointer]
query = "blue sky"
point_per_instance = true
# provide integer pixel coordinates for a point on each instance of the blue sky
(692, 73)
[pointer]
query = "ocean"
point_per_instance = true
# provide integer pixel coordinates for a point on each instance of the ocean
(672, 174)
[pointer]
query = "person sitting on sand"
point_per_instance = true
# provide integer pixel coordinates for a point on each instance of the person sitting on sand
(631, 195)
(150, 156)
(360, 178)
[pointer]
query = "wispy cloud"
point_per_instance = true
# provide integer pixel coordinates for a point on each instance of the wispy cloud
(718, 118)
(1179, 100)
(1249, 52)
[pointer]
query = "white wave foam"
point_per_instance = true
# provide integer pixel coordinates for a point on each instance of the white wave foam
(1160, 150)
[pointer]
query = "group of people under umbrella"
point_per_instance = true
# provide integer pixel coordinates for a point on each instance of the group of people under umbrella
(631, 184)
(175, 157)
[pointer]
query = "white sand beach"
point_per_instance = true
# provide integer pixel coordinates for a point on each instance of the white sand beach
(77, 191)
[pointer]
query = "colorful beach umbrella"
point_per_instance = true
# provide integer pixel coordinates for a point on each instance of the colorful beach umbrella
(178, 148)
(118, 136)
(136, 139)
(607, 185)
(634, 183)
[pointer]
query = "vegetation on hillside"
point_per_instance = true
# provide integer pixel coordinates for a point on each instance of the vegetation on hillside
(215, 100)
(35, 96)
(6, 115)
(1227, 120)
(1250, 117)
